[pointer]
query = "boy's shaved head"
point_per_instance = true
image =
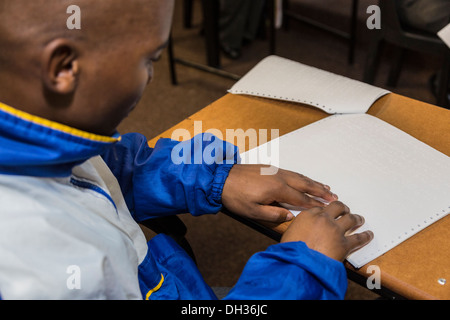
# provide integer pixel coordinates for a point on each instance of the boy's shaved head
(64, 71)
(26, 24)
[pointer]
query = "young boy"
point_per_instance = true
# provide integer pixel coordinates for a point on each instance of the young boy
(72, 190)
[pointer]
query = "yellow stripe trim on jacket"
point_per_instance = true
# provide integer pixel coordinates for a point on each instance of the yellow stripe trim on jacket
(155, 288)
(55, 125)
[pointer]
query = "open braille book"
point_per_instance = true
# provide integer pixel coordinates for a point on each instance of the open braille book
(398, 183)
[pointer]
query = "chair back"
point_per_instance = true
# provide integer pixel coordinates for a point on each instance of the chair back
(394, 32)
(389, 16)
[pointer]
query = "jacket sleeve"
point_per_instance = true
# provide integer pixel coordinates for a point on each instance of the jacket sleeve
(290, 271)
(174, 177)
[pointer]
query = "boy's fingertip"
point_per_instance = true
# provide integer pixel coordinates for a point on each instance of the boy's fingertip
(289, 216)
(330, 196)
(370, 236)
(361, 220)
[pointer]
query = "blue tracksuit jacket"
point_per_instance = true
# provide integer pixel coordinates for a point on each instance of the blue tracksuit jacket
(70, 203)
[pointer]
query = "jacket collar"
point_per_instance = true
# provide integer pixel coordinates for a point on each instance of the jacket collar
(34, 146)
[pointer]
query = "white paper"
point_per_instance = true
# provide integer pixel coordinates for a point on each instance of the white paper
(279, 78)
(444, 34)
(399, 184)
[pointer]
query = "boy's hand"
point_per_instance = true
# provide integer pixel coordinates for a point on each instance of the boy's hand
(249, 193)
(327, 230)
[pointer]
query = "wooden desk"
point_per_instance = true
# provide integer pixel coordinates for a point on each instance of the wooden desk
(410, 270)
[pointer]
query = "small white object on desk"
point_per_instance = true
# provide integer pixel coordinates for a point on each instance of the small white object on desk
(444, 34)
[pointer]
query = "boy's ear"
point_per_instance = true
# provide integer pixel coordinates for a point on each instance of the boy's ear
(61, 66)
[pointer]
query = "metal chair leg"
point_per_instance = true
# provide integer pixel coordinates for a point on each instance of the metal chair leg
(396, 67)
(372, 59)
(442, 94)
(173, 73)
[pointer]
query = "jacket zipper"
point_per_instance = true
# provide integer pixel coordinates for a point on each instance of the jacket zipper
(93, 187)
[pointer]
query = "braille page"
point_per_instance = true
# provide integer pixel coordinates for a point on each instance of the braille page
(399, 184)
(279, 78)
